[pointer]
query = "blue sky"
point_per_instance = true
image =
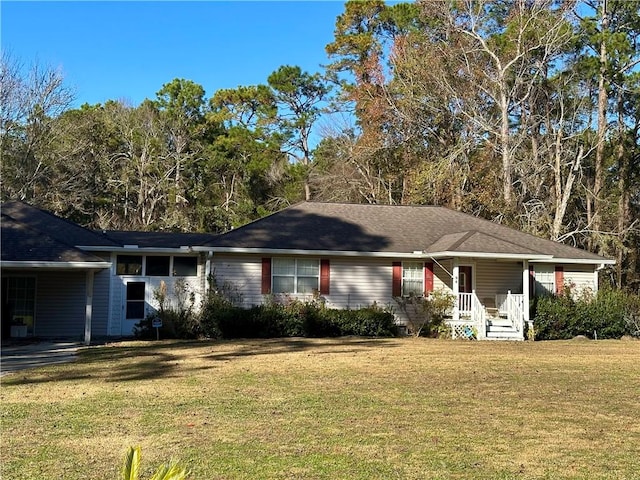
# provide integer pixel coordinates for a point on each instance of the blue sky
(128, 50)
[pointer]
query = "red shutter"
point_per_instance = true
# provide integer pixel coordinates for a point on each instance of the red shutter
(559, 280)
(428, 278)
(324, 276)
(532, 281)
(396, 284)
(266, 276)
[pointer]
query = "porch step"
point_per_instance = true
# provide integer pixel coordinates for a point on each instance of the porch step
(498, 322)
(500, 332)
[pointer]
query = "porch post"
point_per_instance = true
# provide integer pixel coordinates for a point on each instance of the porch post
(456, 288)
(525, 293)
(88, 309)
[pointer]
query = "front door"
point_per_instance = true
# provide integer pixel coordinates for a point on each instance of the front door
(465, 284)
(134, 305)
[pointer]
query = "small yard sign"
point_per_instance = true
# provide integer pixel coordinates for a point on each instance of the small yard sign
(156, 322)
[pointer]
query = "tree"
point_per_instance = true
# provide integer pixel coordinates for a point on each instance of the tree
(182, 107)
(31, 100)
(299, 97)
(609, 58)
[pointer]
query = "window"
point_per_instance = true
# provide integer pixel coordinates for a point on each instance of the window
(545, 280)
(135, 300)
(20, 302)
(412, 279)
(185, 266)
(295, 275)
(158, 266)
(129, 265)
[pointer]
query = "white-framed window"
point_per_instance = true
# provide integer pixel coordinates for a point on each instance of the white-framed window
(295, 275)
(545, 276)
(412, 279)
(157, 265)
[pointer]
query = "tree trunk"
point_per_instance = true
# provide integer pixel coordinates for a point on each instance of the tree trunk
(624, 199)
(599, 179)
(506, 154)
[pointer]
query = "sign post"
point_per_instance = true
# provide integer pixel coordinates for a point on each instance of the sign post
(157, 323)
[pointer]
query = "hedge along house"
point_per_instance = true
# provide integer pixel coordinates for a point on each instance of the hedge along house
(356, 255)
(60, 280)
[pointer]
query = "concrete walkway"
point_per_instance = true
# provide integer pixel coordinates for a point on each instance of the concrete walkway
(37, 354)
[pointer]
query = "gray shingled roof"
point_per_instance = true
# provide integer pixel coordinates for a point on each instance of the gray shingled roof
(389, 229)
(158, 239)
(55, 227)
(22, 219)
(20, 243)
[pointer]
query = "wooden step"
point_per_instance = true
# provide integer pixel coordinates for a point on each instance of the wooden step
(499, 322)
(504, 335)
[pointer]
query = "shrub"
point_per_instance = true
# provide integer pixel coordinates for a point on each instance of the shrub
(605, 315)
(295, 318)
(426, 315)
(280, 316)
(179, 319)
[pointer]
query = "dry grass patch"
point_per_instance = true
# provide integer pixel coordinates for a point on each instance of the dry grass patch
(325, 409)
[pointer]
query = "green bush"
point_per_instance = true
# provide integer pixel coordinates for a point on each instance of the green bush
(282, 316)
(607, 315)
(297, 319)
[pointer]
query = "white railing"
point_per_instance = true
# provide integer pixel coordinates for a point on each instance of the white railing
(515, 310)
(465, 303)
(478, 315)
(501, 303)
(469, 306)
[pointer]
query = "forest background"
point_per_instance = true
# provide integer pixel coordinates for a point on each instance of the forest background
(524, 112)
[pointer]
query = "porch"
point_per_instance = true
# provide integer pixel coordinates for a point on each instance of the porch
(501, 317)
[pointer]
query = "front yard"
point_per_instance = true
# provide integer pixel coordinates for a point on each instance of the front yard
(351, 408)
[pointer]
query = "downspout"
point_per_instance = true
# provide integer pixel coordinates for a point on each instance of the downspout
(596, 279)
(208, 272)
(526, 289)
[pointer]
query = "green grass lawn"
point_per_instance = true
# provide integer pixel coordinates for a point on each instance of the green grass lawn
(347, 408)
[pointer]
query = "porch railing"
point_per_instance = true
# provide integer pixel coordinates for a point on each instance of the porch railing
(465, 304)
(472, 311)
(512, 306)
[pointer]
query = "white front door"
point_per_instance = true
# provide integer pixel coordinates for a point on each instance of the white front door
(134, 305)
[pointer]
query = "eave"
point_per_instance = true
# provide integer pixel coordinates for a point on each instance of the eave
(144, 250)
(56, 265)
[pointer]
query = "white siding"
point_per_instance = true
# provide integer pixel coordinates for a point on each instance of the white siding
(493, 277)
(581, 278)
(195, 284)
(100, 310)
(354, 282)
(359, 282)
(60, 304)
(243, 273)
(442, 276)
